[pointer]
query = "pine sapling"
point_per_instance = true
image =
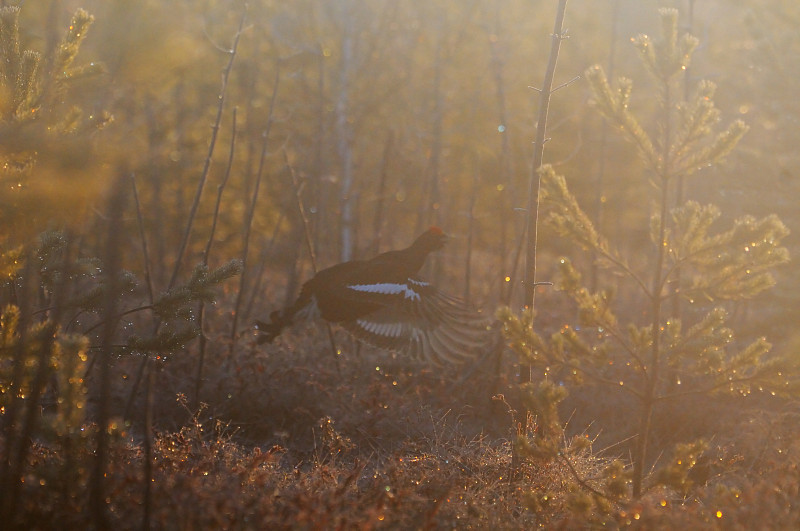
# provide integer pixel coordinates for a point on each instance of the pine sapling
(668, 355)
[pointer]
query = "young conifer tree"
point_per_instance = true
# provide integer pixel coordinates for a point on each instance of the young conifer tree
(664, 355)
(54, 300)
(46, 134)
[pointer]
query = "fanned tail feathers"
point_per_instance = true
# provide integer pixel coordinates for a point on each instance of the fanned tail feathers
(439, 330)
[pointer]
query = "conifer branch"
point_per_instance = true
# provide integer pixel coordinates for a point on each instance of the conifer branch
(697, 120)
(615, 108)
(722, 145)
(571, 221)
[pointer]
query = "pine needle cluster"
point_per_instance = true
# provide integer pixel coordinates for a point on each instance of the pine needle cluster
(46, 130)
(33, 111)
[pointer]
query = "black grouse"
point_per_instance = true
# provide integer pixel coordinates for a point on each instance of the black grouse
(383, 302)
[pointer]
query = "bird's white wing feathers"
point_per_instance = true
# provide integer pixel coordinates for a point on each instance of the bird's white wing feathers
(424, 323)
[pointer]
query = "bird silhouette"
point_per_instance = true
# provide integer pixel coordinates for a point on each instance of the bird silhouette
(384, 302)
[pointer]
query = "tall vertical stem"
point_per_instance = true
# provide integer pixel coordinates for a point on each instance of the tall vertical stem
(538, 156)
(148, 444)
(651, 379)
(680, 191)
(112, 266)
(535, 182)
(344, 132)
(377, 223)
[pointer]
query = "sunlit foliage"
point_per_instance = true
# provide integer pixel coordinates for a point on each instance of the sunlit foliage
(682, 345)
(119, 239)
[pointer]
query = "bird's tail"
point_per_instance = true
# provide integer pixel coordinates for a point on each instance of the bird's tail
(269, 331)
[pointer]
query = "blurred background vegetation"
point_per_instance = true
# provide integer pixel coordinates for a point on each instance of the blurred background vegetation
(392, 116)
(399, 116)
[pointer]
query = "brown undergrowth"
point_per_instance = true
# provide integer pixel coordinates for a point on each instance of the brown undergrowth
(290, 438)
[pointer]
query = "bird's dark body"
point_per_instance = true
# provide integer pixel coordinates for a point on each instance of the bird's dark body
(383, 302)
(338, 302)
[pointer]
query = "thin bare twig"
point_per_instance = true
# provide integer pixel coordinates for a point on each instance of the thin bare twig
(309, 245)
(221, 189)
(148, 277)
(252, 210)
(207, 165)
(565, 84)
(378, 220)
(196, 203)
(201, 312)
(262, 266)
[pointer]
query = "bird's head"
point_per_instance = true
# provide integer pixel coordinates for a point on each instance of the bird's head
(432, 239)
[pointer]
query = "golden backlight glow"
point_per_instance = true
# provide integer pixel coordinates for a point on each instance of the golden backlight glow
(173, 173)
